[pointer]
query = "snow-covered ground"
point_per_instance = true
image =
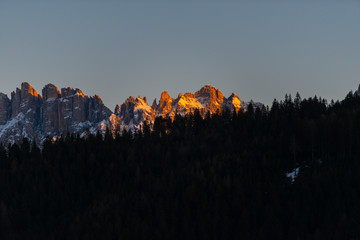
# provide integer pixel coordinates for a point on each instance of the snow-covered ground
(293, 174)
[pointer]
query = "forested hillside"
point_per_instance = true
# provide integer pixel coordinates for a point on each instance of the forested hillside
(222, 177)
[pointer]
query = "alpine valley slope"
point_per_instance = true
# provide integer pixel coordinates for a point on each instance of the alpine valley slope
(54, 113)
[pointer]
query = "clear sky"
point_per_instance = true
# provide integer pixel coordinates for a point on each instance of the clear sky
(116, 49)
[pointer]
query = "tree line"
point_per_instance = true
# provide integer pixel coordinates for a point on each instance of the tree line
(224, 176)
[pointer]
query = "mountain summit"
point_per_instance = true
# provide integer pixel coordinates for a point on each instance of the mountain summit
(31, 115)
(207, 99)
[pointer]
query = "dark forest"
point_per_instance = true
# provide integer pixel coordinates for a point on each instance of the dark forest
(224, 176)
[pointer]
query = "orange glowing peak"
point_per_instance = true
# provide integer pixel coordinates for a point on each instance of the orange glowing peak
(189, 95)
(79, 93)
(26, 87)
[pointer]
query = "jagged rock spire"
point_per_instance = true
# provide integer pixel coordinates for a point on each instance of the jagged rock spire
(5, 108)
(207, 99)
(55, 112)
(28, 114)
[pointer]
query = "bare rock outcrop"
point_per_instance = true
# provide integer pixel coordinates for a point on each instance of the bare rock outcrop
(5, 108)
(207, 99)
(165, 104)
(50, 110)
(30, 115)
(134, 111)
(233, 103)
(25, 100)
(210, 98)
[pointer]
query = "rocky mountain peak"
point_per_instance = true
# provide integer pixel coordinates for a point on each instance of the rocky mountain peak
(139, 99)
(79, 93)
(130, 99)
(3, 95)
(154, 104)
(219, 95)
(69, 92)
(50, 91)
(117, 109)
(27, 89)
(188, 95)
(134, 111)
(4, 108)
(23, 111)
(210, 98)
(233, 95)
(28, 114)
(25, 99)
(165, 97)
(357, 92)
(233, 102)
(126, 112)
(207, 99)
(97, 98)
(209, 92)
(164, 106)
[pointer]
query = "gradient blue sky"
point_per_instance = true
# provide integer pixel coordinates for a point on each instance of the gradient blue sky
(120, 48)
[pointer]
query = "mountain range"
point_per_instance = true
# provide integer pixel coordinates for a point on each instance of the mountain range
(27, 114)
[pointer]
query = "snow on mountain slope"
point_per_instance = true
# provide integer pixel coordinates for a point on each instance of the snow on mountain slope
(30, 115)
(56, 112)
(207, 99)
(133, 112)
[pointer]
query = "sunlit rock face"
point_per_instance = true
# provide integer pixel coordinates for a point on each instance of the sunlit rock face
(114, 124)
(207, 99)
(210, 98)
(233, 103)
(25, 100)
(33, 116)
(25, 117)
(165, 104)
(71, 110)
(133, 112)
(30, 115)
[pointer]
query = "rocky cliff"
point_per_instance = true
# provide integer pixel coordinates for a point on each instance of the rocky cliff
(56, 112)
(133, 112)
(207, 99)
(5, 108)
(30, 115)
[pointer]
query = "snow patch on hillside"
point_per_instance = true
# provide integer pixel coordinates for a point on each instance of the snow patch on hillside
(292, 175)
